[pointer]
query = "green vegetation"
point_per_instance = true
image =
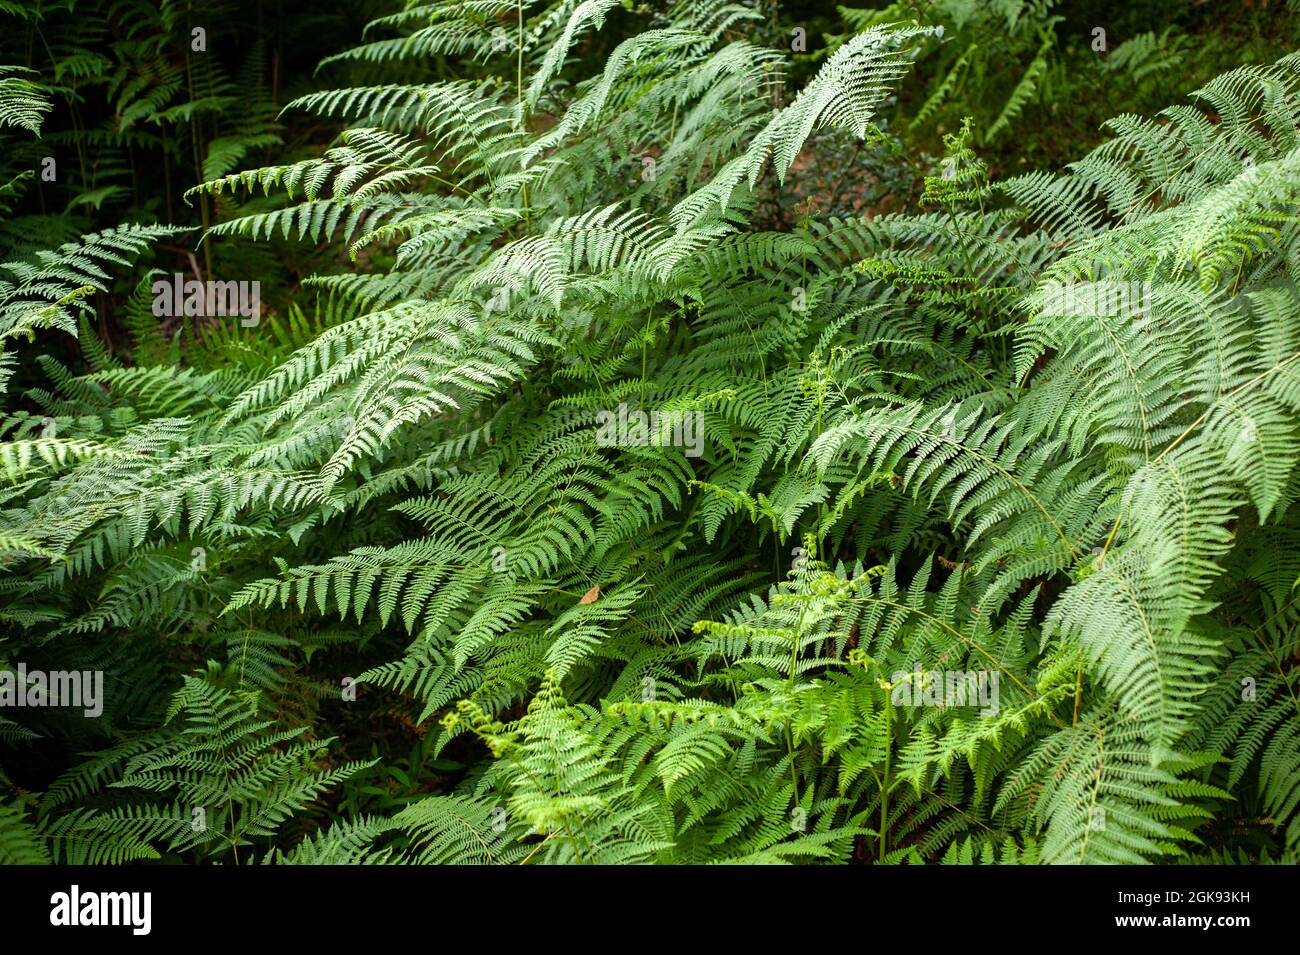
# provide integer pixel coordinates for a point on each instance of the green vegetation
(958, 528)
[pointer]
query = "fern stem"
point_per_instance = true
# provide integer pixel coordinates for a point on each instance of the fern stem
(958, 634)
(522, 101)
(1232, 394)
(884, 786)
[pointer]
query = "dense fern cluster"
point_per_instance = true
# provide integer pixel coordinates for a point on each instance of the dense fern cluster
(1037, 433)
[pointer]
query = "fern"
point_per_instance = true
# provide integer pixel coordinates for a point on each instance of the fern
(990, 517)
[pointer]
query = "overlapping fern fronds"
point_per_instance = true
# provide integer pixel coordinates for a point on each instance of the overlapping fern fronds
(1025, 433)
